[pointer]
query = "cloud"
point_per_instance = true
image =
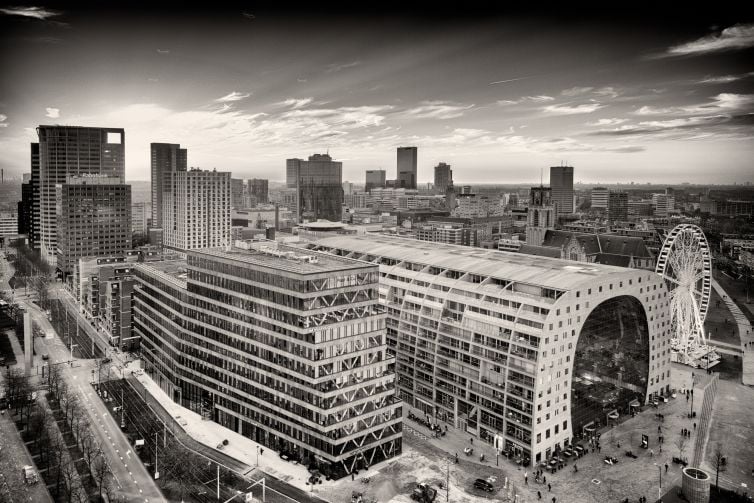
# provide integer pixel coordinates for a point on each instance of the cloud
(302, 80)
(234, 96)
(52, 113)
(735, 37)
(607, 122)
(296, 102)
(608, 91)
(698, 127)
(3, 118)
(576, 91)
(438, 110)
(248, 15)
(723, 102)
(724, 79)
(526, 99)
(163, 51)
(34, 12)
(336, 67)
(584, 108)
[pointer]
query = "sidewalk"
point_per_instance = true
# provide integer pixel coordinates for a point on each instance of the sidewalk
(239, 447)
(746, 334)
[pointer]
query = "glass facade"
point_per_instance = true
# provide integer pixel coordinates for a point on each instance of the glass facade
(611, 364)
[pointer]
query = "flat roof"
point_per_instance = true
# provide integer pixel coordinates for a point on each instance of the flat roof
(172, 270)
(548, 272)
(296, 264)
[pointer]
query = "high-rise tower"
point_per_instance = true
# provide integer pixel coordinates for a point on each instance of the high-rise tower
(164, 158)
(407, 167)
(72, 151)
(561, 183)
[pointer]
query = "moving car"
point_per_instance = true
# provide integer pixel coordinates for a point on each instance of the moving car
(483, 485)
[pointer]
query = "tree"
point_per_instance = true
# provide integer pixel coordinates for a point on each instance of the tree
(101, 473)
(718, 461)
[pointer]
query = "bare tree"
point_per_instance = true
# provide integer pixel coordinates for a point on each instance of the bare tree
(89, 446)
(101, 473)
(54, 378)
(718, 460)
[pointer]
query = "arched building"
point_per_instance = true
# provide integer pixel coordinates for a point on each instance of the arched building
(531, 349)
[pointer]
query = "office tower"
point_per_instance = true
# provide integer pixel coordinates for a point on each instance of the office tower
(284, 345)
(663, 204)
(540, 216)
(617, 207)
(25, 207)
(319, 193)
(66, 151)
(140, 214)
(561, 183)
(347, 188)
(599, 198)
(519, 344)
(443, 178)
(258, 187)
(94, 219)
(407, 167)
(236, 193)
(165, 158)
(36, 217)
(8, 224)
(375, 179)
(196, 209)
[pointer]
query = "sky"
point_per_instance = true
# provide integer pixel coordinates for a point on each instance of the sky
(498, 95)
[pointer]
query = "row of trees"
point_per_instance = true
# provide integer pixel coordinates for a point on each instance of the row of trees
(45, 425)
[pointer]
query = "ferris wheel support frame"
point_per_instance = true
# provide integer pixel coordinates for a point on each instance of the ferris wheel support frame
(684, 261)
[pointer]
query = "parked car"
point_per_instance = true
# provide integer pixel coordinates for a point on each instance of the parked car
(483, 485)
(45, 356)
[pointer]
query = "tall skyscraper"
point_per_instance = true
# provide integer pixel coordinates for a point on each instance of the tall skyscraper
(24, 207)
(165, 157)
(196, 209)
(407, 167)
(94, 219)
(599, 198)
(561, 183)
(617, 207)
(34, 222)
(375, 179)
(540, 215)
(443, 178)
(318, 184)
(236, 193)
(259, 188)
(71, 151)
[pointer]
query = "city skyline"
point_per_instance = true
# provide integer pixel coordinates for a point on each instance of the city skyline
(497, 97)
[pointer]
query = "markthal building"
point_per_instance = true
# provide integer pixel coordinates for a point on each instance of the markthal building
(531, 353)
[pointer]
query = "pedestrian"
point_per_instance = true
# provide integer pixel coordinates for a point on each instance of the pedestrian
(352, 476)
(526, 478)
(694, 425)
(666, 468)
(651, 453)
(659, 429)
(599, 449)
(261, 451)
(471, 440)
(660, 448)
(544, 481)
(553, 499)
(539, 495)
(549, 488)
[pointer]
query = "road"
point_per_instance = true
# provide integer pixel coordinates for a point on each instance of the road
(131, 477)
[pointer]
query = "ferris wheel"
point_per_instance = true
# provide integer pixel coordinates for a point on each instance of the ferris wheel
(685, 265)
